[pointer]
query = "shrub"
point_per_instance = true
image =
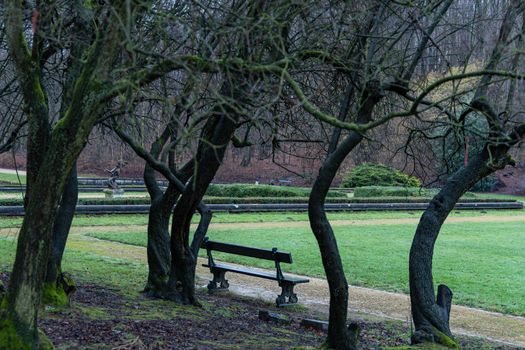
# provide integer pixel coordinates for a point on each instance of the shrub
(369, 174)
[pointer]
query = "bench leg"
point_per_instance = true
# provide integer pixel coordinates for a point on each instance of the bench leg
(287, 296)
(219, 281)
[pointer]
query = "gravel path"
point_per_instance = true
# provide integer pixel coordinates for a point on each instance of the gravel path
(12, 171)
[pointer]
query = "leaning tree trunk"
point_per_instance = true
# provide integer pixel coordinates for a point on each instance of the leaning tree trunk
(159, 251)
(158, 247)
(215, 138)
(430, 313)
(58, 286)
(340, 336)
(162, 203)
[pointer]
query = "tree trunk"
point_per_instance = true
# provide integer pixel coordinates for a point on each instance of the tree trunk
(340, 336)
(162, 203)
(215, 138)
(431, 314)
(18, 319)
(158, 248)
(59, 286)
(18, 311)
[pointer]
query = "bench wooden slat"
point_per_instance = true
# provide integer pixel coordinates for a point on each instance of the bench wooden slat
(256, 273)
(266, 254)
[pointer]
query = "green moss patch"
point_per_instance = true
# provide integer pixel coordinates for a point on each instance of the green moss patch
(54, 295)
(9, 338)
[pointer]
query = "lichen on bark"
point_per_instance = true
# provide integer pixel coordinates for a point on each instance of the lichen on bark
(10, 337)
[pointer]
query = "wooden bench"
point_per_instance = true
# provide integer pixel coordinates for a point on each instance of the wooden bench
(219, 282)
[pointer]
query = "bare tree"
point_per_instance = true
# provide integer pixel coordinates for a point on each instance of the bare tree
(431, 314)
(390, 44)
(53, 147)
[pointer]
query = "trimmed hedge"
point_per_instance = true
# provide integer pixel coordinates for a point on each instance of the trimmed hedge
(398, 191)
(87, 201)
(207, 200)
(392, 191)
(267, 200)
(370, 174)
(246, 190)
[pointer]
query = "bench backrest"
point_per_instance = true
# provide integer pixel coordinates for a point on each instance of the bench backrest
(267, 254)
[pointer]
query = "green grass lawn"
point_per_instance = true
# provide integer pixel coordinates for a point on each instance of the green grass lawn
(500, 196)
(142, 219)
(12, 179)
(122, 274)
(483, 263)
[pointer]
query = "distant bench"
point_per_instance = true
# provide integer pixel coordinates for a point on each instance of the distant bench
(219, 282)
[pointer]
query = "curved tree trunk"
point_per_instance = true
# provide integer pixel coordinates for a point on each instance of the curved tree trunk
(214, 140)
(158, 247)
(340, 336)
(158, 251)
(158, 227)
(159, 254)
(58, 286)
(431, 314)
(162, 203)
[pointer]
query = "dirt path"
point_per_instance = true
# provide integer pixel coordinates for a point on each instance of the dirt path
(292, 224)
(314, 295)
(404, 221)
(12, 171)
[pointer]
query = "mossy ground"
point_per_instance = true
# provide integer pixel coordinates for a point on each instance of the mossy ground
(446, 341)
